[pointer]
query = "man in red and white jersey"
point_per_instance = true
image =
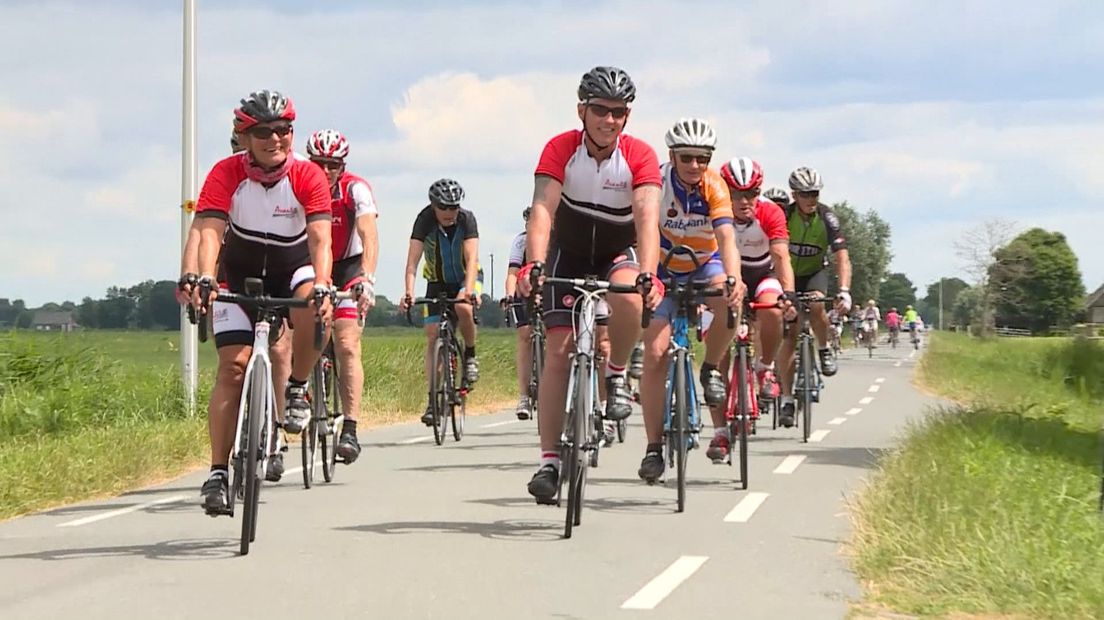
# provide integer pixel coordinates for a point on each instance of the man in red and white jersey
(273, 207)
(595, 211)
(763, 239)
(355, 253)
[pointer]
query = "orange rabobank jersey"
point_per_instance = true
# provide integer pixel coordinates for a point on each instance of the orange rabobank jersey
(687, 216)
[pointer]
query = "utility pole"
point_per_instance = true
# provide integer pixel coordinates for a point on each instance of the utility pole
(941, 304)
(492, 277)
(189, 176)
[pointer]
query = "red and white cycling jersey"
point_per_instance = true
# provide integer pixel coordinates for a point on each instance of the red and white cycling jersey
(352, 198)
(755, 236)
(594, 218)
(268, 225)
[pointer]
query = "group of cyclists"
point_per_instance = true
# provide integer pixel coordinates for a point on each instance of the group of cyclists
(603, 206)
(865, 320)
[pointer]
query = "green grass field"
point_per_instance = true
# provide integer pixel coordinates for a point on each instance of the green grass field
(94, 413)
(990, 507)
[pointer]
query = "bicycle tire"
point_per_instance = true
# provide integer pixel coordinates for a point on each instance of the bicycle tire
(585, 453)
(328, 440)
(807, 380)
(255, 411)
(679, 434)
(743, 413)
(439, 390)
(573, 462)
(458, 411)
(536, 367)
(309, 441)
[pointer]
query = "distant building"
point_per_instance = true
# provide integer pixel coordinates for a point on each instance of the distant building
(1094, 306)
(53, 321)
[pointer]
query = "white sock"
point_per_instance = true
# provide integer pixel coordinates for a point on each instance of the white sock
(550, 458)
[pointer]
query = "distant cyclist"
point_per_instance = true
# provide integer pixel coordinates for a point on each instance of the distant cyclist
(516, 309)
(911, 318)
(893, 323)
(871, 316)
(778, 196)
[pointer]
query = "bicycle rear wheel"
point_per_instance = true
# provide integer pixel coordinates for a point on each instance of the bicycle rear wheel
(309, 441)
(438, 389)
(536, 350)
(327, 440)
(807, 388)
(576, 432)
(459, 412)
(679, 434)
(258, 394)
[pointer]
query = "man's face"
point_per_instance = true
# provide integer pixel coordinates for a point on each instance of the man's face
(690, 164)
(446, 214)
(807, 201)
(604, 119)
(332, 167)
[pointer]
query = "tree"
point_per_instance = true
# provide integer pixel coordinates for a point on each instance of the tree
(490, 312)
(967, 307)
(24, 319)
(977, 249)
(952, 287)
(897, 292)
(88, 313)
(161, 304)
(867, 237)
(1039, 280)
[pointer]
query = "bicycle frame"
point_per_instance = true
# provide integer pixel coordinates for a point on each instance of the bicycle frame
(680, 341)
(259, 357)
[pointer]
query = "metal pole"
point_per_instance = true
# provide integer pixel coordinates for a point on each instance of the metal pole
(189, 176)
(492, 277)
(940, 304)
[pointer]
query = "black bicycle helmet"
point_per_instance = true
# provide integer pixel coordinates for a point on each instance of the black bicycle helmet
(607, 83)
(446, 192)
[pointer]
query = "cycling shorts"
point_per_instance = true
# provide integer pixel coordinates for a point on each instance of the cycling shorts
(347, 272)
(559, 300)
(232, 324)
(432, 311)
(815, 282)
(517, 311)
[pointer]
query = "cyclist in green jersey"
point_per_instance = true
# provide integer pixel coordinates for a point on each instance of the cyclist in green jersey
(814, 232)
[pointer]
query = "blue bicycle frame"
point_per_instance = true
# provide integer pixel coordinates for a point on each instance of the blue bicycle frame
(680, 339)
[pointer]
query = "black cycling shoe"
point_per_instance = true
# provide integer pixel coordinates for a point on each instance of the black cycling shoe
(651, 468)
(618, 398)
(348, 448)
(713, 384)
(787, 414)
(216, 495)
(297, 411)
(544, 484)
(828, 365)
(427, 417)
(275, 467)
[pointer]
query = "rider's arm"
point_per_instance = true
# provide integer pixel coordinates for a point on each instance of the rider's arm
(366, 214)
(838, 244)
(471, 264)
(413, 257)
(546, 199)
(511, 281)
(720, 213)
(210, 231)
(316, 200)
(730, 254)
(773, 222)
(212, 214)
(189, 261)
(646, 218)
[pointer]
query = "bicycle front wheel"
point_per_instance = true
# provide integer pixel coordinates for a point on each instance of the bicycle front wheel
(743, 413)
(438, 389)
(327, 440)
(807, 388)
(258, 394)
(679, 434)
(309, 444)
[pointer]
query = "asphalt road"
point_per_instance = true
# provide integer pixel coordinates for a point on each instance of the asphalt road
(413, 530)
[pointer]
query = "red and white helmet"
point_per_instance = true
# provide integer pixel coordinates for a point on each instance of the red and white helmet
(327, 144)
(742, 173)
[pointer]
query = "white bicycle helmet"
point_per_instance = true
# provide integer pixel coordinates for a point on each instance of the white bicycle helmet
(805, 180)
(327, 144)
(691, 133)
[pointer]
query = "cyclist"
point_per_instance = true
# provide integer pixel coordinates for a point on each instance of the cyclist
(911, 319)
(893, 323)
(835, 325)
(276, 206)
(355, 253)
(448, 237)
(763, 241)
(595, 206)
(871, 316)
(696, 212)
(814, 231)
(778, 196)
(513, 305)
(856, 327)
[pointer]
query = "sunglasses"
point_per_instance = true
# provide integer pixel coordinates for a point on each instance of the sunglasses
(601, 111)
(701, 159)
(746, 194)
(808, 194)
(446, 207)
(329, 164)
(264, 133)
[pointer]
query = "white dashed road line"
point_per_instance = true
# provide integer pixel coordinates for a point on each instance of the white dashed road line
(866, 400)
(747, 507)
(501, 423)
(837, 421)
(880, 380)
(789, 464)
(874, 388)
(897, 365)
(657, 589)
(853, 411)
(818, 436)
(122, 511)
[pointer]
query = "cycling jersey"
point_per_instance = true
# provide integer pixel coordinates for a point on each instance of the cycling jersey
(688, 216)
(810, 240)
(351, 198)
(517, 251)
(872, 314)
(893, 320)
(443, 248)
(754, 237)
(268, 225)
(911, 316)
(594, 219)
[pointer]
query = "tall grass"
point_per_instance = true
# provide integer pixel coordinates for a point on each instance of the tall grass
(100, 412)
(990, 506)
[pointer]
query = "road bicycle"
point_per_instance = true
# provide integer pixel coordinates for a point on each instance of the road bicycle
(807, 380)
(742, 404)
(448, 396)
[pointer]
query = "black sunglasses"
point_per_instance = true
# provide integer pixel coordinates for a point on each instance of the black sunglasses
(601, 111)
(808, 194)
(264, 133)
(329, 164)
(701, 159)
(746, 194)
(446, 207)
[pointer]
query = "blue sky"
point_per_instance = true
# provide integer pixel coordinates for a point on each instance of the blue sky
(939, 116)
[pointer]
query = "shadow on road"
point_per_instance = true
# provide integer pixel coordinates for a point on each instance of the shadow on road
(195, 549)
(515, 466)
(624, 505)
(497, 530)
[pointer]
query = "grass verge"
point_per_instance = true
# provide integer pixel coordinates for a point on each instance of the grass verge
(97, 413)
(990, 507)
